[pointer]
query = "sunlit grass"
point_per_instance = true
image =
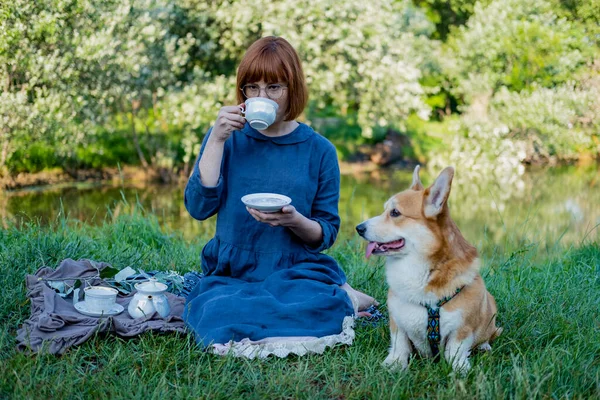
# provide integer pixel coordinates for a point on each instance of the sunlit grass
(548, 299)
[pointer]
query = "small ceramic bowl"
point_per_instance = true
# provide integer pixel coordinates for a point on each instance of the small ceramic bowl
(100, 298)
(266, 202)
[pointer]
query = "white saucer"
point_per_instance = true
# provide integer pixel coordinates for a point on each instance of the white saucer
(266, 202)
(81, 307)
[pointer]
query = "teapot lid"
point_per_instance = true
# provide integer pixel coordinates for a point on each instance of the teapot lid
(151, 286)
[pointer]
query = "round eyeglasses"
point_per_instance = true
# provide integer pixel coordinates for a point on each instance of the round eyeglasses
(273, 90)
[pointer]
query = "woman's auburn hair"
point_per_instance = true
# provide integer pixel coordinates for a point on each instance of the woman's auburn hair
(273, 60)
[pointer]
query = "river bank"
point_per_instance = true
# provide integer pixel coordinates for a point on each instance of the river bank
(58, 176)
(133, 174)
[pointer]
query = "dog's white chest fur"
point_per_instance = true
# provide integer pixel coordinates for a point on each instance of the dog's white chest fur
(407, 278)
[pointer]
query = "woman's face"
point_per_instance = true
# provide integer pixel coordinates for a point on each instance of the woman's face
(282, 101)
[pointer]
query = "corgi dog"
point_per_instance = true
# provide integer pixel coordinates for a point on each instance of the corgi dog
(433, 277)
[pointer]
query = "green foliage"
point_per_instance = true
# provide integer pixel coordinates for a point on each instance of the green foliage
(425, 138)
(107, 149)
(358, 56)
(154, 73)
(447, 14)
(587, 12)
(513, 44)
(45, 92)
(73, 66)
(33, 157)
(558, 121)
(528, 88)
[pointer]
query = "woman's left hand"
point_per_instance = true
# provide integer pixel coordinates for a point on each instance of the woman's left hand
(288, 217)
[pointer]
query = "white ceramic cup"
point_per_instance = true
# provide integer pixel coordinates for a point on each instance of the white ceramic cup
(260, 112)
(100, 298)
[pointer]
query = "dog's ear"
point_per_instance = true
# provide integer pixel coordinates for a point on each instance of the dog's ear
(437, 194)
(416, 182)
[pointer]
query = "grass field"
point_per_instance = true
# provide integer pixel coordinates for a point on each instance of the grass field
(548, 299)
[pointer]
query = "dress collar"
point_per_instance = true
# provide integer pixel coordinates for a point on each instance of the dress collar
(300, 134)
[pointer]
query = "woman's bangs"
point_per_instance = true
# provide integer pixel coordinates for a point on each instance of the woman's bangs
(267, 67)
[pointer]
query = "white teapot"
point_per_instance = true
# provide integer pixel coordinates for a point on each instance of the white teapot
(150, 297)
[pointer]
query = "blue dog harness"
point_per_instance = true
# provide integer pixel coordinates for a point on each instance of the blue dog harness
(433, 324)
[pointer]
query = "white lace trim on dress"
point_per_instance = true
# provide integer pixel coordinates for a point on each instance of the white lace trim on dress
(284, 346)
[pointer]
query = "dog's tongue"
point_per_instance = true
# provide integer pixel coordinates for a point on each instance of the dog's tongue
(383, 246)
(370, 247)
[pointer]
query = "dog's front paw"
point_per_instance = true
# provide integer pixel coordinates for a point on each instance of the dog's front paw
(461, 366)
(485, 347)
(395, 363)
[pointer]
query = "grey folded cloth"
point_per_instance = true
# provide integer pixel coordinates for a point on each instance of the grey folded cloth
(55, 325)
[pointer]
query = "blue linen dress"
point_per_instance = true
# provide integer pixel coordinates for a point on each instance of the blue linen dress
(262, 281)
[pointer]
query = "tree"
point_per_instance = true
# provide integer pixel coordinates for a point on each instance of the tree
(514, 44)
(45, 94)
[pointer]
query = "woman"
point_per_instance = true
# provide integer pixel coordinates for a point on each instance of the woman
(267, 288)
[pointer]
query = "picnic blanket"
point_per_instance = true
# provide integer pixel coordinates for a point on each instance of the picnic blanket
(55, 325)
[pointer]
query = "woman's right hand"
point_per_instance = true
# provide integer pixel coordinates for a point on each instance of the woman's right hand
(228, 120)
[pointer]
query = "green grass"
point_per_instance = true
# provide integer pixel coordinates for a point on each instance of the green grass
(548, 301)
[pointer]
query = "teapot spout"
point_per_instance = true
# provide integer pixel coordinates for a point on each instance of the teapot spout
(141, 306)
